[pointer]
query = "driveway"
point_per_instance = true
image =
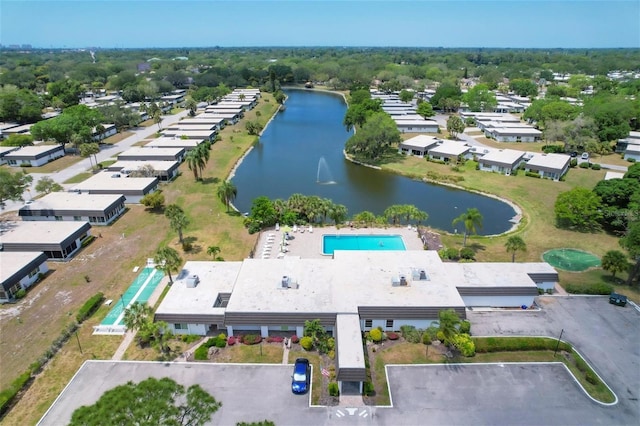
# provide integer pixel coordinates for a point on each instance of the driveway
(607, 336)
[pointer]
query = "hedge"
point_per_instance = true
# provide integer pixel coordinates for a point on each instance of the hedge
(8, 395)
(89, 307)
(596, 288)
(503, 344)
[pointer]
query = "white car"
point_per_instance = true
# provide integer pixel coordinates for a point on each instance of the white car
(585, 156)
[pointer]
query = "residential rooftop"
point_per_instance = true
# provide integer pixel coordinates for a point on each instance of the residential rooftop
(551, 160)
(39, 232)
(73, 201)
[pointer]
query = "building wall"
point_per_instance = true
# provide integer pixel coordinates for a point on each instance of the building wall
(37, 162)
(397, 323)
(634, 156)
(498, 301)
(24, 283)
(199, 329)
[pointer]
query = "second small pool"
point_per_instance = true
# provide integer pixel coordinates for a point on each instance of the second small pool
(330, 243)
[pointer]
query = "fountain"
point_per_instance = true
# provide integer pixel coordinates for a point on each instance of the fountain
(323, 175)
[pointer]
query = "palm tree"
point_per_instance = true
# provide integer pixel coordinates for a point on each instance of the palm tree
(338, 213)
(177, 219)
(213, 251)
(448, 322)
(157, 118)
(192, 106)
(472, 220)
(513, 244)
(193, 159)
(204, 151)
(167, 260)
(137, 316)
(227, 192)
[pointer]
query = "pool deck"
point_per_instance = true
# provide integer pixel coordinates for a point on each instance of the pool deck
(308, 245)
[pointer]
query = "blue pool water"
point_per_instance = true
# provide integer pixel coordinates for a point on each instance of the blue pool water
(139, 291)
(330, 243)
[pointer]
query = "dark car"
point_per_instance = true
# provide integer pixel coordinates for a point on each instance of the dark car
(618, 299)
(301, 376)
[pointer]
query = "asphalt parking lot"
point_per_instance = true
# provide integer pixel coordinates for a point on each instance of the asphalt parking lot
(506, 394)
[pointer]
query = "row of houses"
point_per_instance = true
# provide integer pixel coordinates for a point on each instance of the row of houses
(405, 114)
(504, 161)
(98, 201)
(503, 127)
(629, 147)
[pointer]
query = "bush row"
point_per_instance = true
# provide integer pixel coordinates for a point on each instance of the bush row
(89, 307)
(501, 344)
(596, 288)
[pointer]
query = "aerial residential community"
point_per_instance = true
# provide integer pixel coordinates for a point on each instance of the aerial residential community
(279, 235)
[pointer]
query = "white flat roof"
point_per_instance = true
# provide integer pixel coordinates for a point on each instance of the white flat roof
(450, 148)
(130, 166)
(613, 175)
(496, 116)
(73, 201)
(173, 143)
(199, 120)
(151, 152)
(31, 151)
(503, 124)
(42, 232)
(552, 160)
(505, 156)
(6, 149)
(107, 180)
(215, 278)
(12, 261)
(515, 131)
(420, 141)
(191, 127)
(498, 274)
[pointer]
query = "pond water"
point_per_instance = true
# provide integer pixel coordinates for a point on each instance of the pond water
(301, 152)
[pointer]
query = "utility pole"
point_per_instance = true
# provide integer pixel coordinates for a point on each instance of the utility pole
(558, 344)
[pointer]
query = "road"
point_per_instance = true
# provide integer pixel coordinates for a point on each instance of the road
(106, 152)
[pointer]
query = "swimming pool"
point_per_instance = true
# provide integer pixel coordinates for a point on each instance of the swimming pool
(139, 291)
(330, 243)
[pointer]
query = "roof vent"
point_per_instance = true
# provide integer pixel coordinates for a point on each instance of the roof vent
(192, 281)
(423, 274)
(286, 281)
(403, 280)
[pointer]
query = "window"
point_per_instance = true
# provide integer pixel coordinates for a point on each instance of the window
(368, 323)
(77, 218)
(389, 324)
(181, 326)
(58, 218)
(34, 272)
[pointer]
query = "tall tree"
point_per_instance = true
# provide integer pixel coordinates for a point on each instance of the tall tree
(227, 192)
(191, 105)
(375, 138)
(455, 125)
(472, 220)
(214, 251)
(137, 316)
(12, 185)
(425, 110)
(578, 208)
(631, 242)
(194, 160)
(177, 219)
(448, 323)
(615, 261)
(167, 260)
(89, 149)
(46, 185)
(480, 98)
(515, 243)
(149, 402)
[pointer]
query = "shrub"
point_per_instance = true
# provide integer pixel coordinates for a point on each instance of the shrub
(467, 253)
(295, 339)
(222, 336)
(584, 165)
(274, 339)
(231, 341)
(21, 293)
(221, 343)
(532, 174)
(7, 395)
(331, 354)
(596, 166)
(500, 344)
(201, 353)
(376, 335)
(410, 334)
(368, 389)
(331, 343)
(307, 343)
(89, 307)
(392, 335)
(187, 246)
(465, 327)
(464, 344)
(591, 378)
(557, 149)
(189, 338)
(251, 339)
(573, 162)
(333, 388)
(440, 336)
(426, 339)
(596, 288)
(432, 332)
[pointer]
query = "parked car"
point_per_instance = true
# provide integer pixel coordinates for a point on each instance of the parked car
(585, 156)
(618, 299)
(301, 376)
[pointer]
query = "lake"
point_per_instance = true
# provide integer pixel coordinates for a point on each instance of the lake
(301, 152)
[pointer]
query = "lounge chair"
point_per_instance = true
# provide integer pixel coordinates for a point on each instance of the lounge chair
(310, 229)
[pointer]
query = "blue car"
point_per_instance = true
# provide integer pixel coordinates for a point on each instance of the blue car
(301, 376)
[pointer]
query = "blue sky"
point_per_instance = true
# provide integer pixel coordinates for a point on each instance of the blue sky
(452, 23)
